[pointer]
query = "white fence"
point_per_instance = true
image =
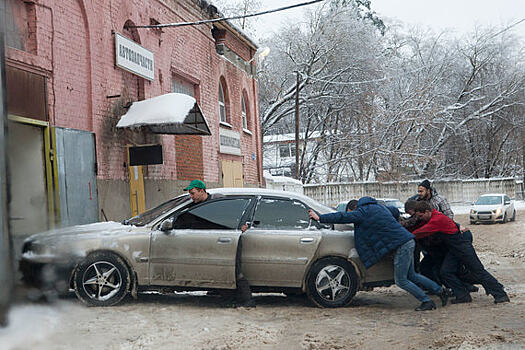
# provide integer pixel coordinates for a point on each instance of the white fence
(456, 191)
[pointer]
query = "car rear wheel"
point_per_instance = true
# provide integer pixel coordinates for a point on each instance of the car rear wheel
(332, 282)
(102, 279)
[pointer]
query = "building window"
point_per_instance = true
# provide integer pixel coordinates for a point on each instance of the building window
(287, 150)
(244, 115)
(222, 104)
(182, 86)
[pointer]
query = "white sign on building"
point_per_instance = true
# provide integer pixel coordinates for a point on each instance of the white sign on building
(229, 142)
(134, 58)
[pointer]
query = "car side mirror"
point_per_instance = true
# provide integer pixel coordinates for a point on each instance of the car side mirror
(507, 202)
(167, 225)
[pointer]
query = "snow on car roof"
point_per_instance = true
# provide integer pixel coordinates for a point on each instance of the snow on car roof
(493, 194)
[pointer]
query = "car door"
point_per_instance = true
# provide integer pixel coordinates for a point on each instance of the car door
(280, 244)
(200, 249)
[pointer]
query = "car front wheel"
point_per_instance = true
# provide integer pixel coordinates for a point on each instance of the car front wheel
(513, 216)
(102, 279)
(332, 282)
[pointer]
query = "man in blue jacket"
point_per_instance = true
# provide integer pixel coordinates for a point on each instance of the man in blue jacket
(376, 233)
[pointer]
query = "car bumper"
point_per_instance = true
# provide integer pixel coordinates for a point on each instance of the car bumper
(486, 218)
(46, 275)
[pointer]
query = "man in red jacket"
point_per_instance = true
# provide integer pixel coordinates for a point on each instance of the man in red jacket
(460, 248)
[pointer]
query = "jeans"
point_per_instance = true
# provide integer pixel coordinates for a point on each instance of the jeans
(461, 251)
(405, 276)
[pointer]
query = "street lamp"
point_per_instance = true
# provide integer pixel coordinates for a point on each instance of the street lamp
(260, 54)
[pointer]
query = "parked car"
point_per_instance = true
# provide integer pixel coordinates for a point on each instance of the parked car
(282, 251)
(394, 202)
(494, 207)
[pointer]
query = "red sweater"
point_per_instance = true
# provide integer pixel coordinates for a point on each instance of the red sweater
(438, 223)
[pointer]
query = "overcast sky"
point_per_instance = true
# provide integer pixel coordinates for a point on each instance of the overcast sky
(458, 15)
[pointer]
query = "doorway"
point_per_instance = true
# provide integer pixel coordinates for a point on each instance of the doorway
(232, 173)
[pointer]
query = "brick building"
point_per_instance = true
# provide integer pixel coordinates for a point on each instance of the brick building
(68, 161)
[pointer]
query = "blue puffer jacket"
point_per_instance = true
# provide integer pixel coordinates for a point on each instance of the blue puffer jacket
(376, 231)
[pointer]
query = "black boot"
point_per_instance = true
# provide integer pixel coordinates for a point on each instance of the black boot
(445, 293)
(426, 306)
(502, 299)
(244, 293)
(464, 299)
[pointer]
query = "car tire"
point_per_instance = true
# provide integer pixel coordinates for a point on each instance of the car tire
(101, 279)
(332, 282)
(472, 222)
(513, 216)
(504, 218)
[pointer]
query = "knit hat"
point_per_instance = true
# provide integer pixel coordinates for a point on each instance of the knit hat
(425, 184)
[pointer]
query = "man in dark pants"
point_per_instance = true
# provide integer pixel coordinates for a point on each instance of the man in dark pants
(435, 252)
(243, 293)
(460, 250)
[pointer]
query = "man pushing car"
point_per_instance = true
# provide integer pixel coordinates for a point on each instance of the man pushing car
(376, 234)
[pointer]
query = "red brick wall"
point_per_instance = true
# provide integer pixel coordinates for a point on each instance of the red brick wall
(74, 48)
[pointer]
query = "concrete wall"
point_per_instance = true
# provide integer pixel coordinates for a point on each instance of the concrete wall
(456, 191)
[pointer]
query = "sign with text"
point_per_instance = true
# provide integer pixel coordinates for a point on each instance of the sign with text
(229, 142)
(134, 58)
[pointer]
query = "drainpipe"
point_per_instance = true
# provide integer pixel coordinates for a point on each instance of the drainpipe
(6, 272)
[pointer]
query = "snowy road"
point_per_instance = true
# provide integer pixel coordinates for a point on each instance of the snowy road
(383, 318)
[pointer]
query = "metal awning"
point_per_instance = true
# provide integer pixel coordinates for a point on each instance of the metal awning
(172, 113)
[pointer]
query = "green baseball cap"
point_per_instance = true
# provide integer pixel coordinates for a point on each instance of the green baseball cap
(195, 184)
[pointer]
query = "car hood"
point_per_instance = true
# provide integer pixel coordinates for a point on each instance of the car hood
(487, 207)
(99, 229)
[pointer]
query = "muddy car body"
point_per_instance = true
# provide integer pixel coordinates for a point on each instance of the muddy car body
(179, 246)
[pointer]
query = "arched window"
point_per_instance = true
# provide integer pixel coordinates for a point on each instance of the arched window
(222, 104)
(244, 114)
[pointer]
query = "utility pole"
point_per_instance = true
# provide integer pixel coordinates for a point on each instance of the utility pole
(297, 168)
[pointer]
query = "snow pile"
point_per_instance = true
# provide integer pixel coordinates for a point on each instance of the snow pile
(283, 183)
(168, 108)
(28, 325)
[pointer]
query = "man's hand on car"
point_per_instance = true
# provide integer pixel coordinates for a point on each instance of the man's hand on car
(313, 215)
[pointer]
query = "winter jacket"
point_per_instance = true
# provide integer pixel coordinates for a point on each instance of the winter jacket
(376, 231)
(438, 223)
(437, 202)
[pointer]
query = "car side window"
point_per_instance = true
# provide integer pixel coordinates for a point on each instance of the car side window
(281, 214)
(219, 215)
(507, 199)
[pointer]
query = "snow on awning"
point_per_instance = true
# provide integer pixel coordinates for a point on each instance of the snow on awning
(167, 114)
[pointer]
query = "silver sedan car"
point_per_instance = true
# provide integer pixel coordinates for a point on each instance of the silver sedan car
(179, 246)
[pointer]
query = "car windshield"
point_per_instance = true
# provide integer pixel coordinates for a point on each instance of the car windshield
(488, 200)
(150, 215)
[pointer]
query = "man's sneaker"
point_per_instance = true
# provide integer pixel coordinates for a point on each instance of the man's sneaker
(445, 293)
(426, 306)
(464, 299)
(502, 299)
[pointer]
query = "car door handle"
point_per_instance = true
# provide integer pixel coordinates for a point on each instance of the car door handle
(307, 240)
(224, 240)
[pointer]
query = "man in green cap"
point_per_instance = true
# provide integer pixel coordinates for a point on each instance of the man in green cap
(197, 190)
(243, 295)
